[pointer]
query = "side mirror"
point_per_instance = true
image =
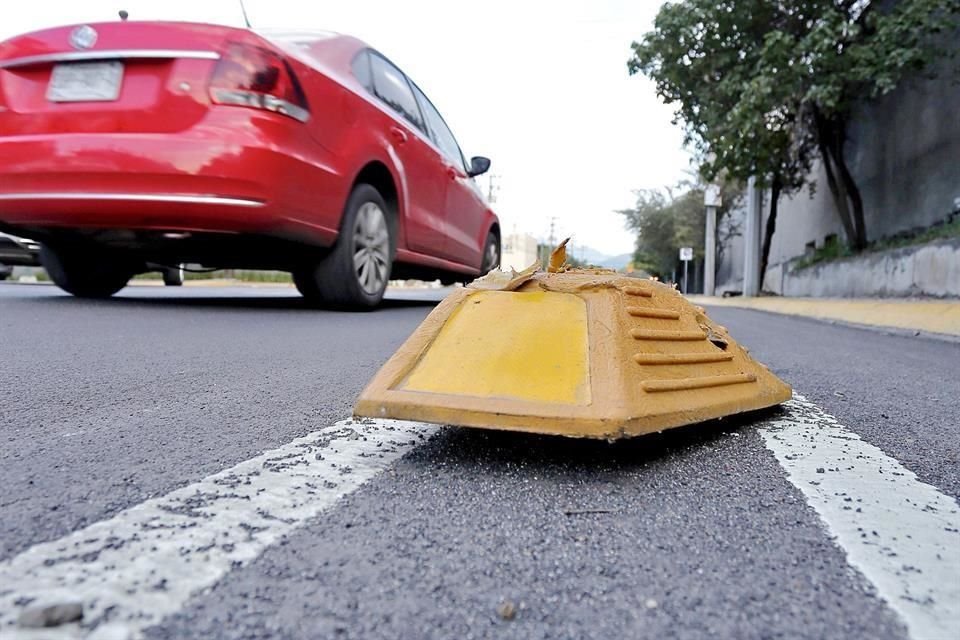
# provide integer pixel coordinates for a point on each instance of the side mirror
(478, 166)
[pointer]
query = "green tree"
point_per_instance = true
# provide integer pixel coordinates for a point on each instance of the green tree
(665, 220)
(764, 89)
(651, 220)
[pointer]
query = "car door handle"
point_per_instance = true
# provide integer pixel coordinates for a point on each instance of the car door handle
(398, 134)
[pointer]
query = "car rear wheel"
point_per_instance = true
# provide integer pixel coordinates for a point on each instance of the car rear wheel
(491, 254)
(355, 273)
(85, 274)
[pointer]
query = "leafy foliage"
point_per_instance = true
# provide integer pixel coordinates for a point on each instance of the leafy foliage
(666, 220)
(764, 89)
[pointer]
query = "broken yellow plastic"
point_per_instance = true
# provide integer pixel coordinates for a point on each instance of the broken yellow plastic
(581, 352)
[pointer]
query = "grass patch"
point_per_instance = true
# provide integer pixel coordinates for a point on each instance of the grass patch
(262, 276)
(949, 229)
(835, 249)
(832, 249)
(243, 275)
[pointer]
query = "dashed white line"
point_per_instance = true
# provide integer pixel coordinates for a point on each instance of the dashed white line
(132, 570)
(902, 534)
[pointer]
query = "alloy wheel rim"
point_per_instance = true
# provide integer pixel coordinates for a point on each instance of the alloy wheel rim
(371, 248)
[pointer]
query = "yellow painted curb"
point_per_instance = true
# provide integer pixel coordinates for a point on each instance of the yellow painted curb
(933, 316)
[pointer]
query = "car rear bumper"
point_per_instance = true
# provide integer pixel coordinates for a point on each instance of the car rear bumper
(175, 212)
(213, 178)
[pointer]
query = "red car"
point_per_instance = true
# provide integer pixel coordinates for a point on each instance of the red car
(128, 145)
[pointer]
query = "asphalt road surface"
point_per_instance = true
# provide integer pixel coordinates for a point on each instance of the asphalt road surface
(189, 403)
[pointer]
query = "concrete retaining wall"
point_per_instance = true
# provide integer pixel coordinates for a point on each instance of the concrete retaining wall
(925, 270)
(904, 151)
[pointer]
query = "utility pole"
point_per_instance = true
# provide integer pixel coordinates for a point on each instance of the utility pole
(711, 199)
(751, 239)
(492, 188)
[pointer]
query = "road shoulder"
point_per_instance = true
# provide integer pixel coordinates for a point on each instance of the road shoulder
(932, 318)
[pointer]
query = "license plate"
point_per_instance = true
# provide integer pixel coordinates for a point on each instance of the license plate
(85, 82)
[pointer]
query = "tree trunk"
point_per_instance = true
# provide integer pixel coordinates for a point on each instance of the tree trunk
(831, 136)
(839, 193)
(839, 199)
(770, 228)
(853, 191)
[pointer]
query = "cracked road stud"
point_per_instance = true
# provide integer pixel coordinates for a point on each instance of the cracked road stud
(572, 352)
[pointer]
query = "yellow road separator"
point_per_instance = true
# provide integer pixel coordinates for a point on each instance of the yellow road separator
(580, 353)
(470, 357)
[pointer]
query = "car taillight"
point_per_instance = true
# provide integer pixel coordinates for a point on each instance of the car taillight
(251, 76)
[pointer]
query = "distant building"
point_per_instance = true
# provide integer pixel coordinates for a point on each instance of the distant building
(519, 251)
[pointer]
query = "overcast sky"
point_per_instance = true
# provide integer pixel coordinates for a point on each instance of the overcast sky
(541, 87)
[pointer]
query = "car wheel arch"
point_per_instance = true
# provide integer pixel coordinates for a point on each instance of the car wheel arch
(379, 176)
(494, 229)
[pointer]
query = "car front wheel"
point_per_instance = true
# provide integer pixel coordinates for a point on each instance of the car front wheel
(85, 274)
(173, 276)
(491, 254)
(356, 271)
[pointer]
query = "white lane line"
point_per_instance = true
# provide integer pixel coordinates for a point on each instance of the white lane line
(143, 564)
(900, 533)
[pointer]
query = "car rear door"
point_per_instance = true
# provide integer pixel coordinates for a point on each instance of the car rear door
(464, 207)
(422, 169)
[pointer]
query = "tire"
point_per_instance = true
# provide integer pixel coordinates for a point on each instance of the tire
(85, 274)
(356, 271)
(173, 276)
(491, 254)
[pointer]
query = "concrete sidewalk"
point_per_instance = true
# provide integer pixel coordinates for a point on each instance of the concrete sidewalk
(927, 316)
